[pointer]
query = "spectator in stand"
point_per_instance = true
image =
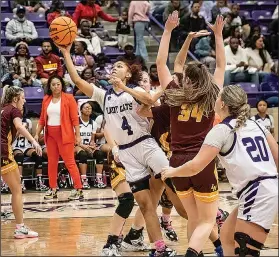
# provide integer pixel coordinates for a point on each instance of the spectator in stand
(4, 70)
(236, 32)
(240, 20)
(205, 9)
(259, 58)
(23, 67)
(32, 6)
(20, 29)
(237, 68)
(129, 56)
(56, 10)
(193, 23)
(103, 70)
(205, 51)
(123, 29)
(48, 63)
(154, 79)
(87, 9)
(228, 25)
(183, 11)
(138, 17)
(81, 57)
(157, 9)
(91, 39)
(221, 7)
(89, 76)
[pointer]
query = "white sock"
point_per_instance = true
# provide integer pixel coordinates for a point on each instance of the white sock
(19, 225)
(83, 177)
(99, 177)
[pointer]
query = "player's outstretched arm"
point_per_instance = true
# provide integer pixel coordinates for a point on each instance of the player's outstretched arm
(83, 85)
(163, 71)
(217, 28)
(182, 54)
(206, 154)
(145, 111)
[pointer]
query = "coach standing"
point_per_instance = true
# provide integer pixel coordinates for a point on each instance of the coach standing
(59, 116)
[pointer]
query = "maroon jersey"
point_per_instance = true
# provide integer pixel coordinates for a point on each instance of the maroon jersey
(189, 126)
(8, 130)
(161, 127)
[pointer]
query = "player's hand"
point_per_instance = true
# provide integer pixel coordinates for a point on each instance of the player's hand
(200, 33)
(218, 26)
(36, 137)
(64, 49)
(117, 82)
(172, 21)
(37, 147)
(168, 172)
(115, 153)
(78, 140)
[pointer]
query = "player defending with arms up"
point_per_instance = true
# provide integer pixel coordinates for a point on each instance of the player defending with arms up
(249, 154)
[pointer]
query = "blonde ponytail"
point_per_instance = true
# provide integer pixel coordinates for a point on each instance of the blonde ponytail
(9, 92)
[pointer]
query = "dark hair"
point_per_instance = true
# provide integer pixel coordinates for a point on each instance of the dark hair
(195, 2)
(232, 30)
(126, 10)
(87, 68)
(101, 57)
(233, 37)
(262, 100)
(153, 66)
(46, 41)
(88, 102)
(96, 108)
(27, 51)
(135, 73)
(56, 5)
(84, 2)
(83, 44)
(55, 76)
(261, 51)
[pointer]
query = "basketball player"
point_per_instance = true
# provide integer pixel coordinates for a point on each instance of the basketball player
(192, 115)
(138, 150)
(250, 155)
(123, 210)
(23, 148)
(12, 104)
(263, 118)
(88, 148)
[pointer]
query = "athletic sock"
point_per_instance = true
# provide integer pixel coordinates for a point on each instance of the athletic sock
(191, 253)
(19, 225)
(166, 218)
(83, 177)
(217, 243)
(99, 177)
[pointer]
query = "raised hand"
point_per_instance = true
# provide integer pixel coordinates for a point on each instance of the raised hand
(200, 33)
(218, 26)
(172, 21)
(64, 49)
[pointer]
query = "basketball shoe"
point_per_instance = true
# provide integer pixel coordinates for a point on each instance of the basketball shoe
(50, 195)
(220, 218)
(167, 252)
(168, 230)
(76, 195)
(40, 186)
(112, 247)
(134, 241)
(85, 184)
(24, 232)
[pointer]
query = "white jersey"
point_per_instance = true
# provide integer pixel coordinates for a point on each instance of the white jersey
(249, 156)
(267, 122)
(120, 113)
(20, 142)
(86, 130)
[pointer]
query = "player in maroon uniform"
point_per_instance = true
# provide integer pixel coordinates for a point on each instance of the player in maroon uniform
(192, 115)
(12, 104)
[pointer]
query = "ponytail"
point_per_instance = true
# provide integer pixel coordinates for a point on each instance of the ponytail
(9, 92)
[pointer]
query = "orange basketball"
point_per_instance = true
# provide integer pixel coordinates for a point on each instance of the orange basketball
(63, 31)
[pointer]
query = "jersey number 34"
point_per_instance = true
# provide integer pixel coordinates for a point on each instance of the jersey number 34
(188, 111)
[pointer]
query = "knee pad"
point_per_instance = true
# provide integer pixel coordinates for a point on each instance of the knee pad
(243, 239)
(37, 159)
(165, 202)
(82, 157)
(19, 157)
(99, 156)
(140, 185)
(125, 206)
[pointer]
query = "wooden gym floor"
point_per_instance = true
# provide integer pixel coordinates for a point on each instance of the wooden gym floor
(80, 228)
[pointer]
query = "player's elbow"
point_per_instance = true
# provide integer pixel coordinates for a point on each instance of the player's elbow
(148, 100)
(194, 168)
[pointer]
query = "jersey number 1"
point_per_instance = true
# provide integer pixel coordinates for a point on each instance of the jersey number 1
(126, 126)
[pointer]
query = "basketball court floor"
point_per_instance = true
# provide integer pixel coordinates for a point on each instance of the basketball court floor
(80, 228)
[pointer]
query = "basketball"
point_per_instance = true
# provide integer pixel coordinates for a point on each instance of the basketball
(63, 31)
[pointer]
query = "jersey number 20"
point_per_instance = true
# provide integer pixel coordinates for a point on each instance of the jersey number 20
(256, 148)
(126, 126)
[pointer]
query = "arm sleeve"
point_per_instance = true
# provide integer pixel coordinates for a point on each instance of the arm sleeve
(15, 113)
(220, 137)
(9, 31)
(99, 96)
(106, 16)
(131, 13)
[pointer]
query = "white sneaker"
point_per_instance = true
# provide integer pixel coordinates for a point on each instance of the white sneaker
(24, 232)
(85, 184)
(110, 250)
